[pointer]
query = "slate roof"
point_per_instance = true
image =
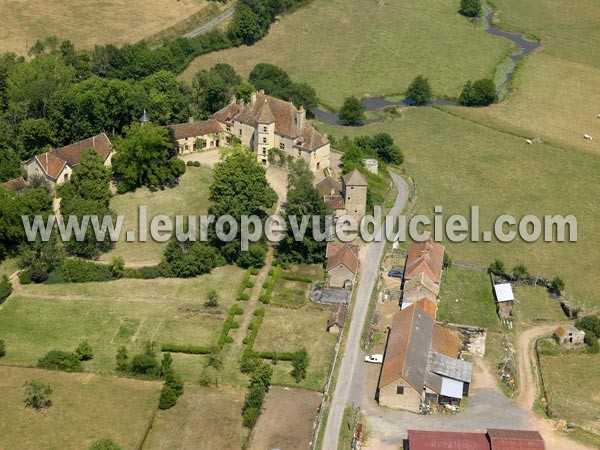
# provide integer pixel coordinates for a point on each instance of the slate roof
(426, 257)
(355, 178)
(195, 129)
(408, 348)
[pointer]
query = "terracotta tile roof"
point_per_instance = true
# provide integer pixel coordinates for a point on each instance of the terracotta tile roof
(73, 153)
(310, 139)
(428, 306)
(17, 185)
(562, 330)
(50, 164)
(355, 178)
(421, 282)
(195, 129)
(265, 115)
(345, 256)
(335, 246)
(445, 341)
(335, 201)
(228, 113)
(515, 440)
(442, 440)
(329, 186)
(337, 316)
(426, 257)
(408, 348)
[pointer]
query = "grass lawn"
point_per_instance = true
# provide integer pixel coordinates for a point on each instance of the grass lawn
(571, 382)
(535, 307)
(291, 293)
(458, 163)
(89, 23)
(8, 267)
(85, 408)
(125, 312)
(467, 299)
(202, 419)
(189, 198)
(372, 48)
(556, 91)
(287, 330)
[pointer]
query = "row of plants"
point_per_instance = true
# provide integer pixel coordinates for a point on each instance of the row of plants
(300, 278)
(269, 285)
(246, 284)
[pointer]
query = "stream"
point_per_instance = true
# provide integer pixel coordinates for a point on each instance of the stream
(523, 48)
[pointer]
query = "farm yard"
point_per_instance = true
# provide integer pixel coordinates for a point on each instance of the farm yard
(190, 197)
(94, 403)
(41, 318)
(349, 47)
(115, 21)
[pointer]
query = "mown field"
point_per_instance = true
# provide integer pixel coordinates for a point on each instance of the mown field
(41, 318)
(189, 198)
(458, 163)
(88, 23)
(556, 91)
(85, 408)
(371, 48)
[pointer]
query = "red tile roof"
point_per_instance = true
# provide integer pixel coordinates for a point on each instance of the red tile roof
(195, 129)
(73, 153)
(337, 316)
(427, 257)
(345, 256)
(50, 164)
(441, 440)
(515, 440)
(335, 201)
(17, 185)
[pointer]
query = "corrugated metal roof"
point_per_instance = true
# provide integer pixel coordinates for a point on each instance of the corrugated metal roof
(515, 440)
(441, 440)
(450, 367)
(451, 388)
(504, 292)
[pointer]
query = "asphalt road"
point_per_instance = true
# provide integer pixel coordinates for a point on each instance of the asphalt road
(210, 24)
(349, 385)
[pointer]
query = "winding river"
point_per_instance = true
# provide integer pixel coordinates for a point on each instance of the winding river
(523, 48)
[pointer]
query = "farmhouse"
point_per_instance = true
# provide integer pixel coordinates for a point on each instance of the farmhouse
(494, 439)
(420, 365)
(569, 335)
(425, 257)
(337, 319)
(193, 136)
(268, 123)
(348, 197)
(420, 287)
(342, 264)
(57, 165)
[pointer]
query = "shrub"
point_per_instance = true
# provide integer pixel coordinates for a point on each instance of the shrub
(148, 273)
(557, 285)
(196, 163)
(248, 361)
(520, 271)
(60, 360)
(592, 342)
(84, 351)
(38, 276)
(144, 364)
(5, 289)
(189, 163)
(2, 348)
(419, 91)
(234, 325)
(105, 444)
(205, 377)
(189, 349)
(254, 271)
(174, 382)
(228, 340)
(122, 360)
(80, 271)
(24, 278)
(250, 416)
(271, 272)
(589, 324)
(352, 112)
(249, 284)
(470, 8)
(480, 93)
(37, 395)
(212, 299)
(168, 398)
(300, 364)
(497, 267)
(237, 310)
(244, 297)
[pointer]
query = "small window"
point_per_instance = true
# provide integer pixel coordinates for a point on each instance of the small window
(264, 140)
(400, 390)
(229, 128)
(66, 177)
(264, 129)
(240, 133)
(282, 146)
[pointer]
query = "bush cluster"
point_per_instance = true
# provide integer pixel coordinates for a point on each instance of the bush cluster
(5, 289)
(269, 285)
(260, 380)
(189, 349)
(229, 324)
(80, 271)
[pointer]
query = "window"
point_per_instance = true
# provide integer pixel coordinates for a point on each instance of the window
(240, 133)
(264, 140)
(66, 177)
(264, 129)
(282, 146)
(229, 128)
(400, 390)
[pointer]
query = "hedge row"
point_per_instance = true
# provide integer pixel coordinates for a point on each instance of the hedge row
(270, 285)
(278, 356)
(301, 278)
(189, 349)
(254, 327)
(241, 295)
(229, 324)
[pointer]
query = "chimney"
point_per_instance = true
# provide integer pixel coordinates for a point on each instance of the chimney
(301, 117)
(262, 92)
(253, 99)
(190, 119)
(233, 99)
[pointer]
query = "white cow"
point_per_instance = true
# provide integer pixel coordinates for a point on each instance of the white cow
(588, 137)
(529, 141)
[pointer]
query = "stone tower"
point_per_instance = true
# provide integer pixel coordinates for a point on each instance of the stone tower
(355, 194)
(265, 133)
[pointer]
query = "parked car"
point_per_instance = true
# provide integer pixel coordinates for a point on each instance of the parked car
(395, 274)
(377, 358)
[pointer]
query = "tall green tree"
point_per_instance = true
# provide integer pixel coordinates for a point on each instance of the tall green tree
(35, 136)
(470, 8)
(245, 27)
(419, 91)
(352, 112)
(145, 157)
